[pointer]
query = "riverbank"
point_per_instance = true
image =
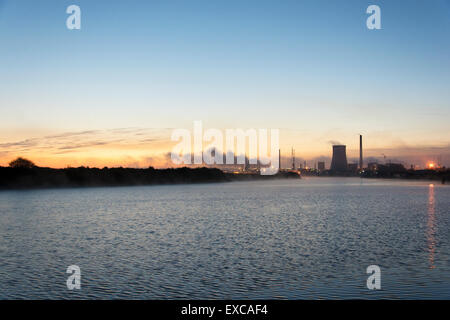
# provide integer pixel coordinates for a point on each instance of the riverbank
(38, 177)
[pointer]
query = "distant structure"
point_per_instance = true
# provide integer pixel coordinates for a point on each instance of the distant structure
(360, 153)
(321, 166)
(339, 160)
(352, 167)
(279, 159)
(246, 164)
(387, 168)
(293, 159)
(372, 166)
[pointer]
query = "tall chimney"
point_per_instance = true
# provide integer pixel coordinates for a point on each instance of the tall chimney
(360, 153)
(279, 159)
(293, 159)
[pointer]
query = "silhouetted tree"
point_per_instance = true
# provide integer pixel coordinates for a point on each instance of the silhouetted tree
(21, 163)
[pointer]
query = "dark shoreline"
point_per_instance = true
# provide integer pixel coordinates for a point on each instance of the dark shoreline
(45, 178)
(442, 175)
(82, 177)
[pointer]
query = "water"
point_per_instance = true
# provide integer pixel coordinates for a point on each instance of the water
(284, 239)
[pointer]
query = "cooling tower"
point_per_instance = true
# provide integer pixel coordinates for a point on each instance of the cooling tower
(339, 160)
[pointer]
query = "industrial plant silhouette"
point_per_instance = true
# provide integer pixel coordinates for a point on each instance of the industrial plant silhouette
(23, 173)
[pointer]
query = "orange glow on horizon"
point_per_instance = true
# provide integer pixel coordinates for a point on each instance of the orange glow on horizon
(143, 147)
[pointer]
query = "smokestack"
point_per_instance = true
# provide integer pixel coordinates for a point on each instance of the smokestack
(279, 159)
(360, 153)
(293, 159)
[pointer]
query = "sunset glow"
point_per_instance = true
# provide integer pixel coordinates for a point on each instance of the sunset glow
(111, 93)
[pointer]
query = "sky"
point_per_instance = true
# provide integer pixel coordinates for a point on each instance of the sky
(111, 93)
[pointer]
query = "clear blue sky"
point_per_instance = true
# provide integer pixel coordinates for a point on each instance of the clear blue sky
(310, 66)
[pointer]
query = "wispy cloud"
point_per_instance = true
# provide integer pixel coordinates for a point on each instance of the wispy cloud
(126, 142)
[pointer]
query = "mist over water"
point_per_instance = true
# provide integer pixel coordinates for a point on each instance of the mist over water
(291, 239)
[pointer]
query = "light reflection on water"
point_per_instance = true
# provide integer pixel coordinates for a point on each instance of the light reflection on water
(309, 238)
(431, 225)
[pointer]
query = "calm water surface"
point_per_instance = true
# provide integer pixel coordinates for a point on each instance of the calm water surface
(311, 238)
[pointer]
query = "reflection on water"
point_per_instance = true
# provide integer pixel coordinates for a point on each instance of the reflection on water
(431, 226)
(294, 239)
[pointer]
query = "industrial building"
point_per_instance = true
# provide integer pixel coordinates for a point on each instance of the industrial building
(321, 165)
(339, 160)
